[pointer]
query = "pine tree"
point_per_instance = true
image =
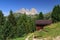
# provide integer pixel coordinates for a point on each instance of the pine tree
(1, 18)
(9, 27)
(2, 21)
(6, 30)
(11, 18)
(30, 24)
(40, 16)
(56, 14)
(21, 29)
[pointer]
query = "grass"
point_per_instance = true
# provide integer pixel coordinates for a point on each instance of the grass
(21, 38)
(52, 30)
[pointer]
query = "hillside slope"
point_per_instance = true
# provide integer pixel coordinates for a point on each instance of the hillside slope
(50, 32)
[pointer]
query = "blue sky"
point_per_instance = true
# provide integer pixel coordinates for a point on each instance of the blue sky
(40, 5)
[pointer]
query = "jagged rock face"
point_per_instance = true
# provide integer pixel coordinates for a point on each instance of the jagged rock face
(21, 11)
(33, 11)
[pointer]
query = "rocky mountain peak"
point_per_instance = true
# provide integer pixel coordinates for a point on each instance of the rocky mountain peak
(32, 11)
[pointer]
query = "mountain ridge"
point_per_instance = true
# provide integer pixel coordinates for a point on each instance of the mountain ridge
(31, 11)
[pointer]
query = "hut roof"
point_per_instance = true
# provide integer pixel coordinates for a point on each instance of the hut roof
(43, 22)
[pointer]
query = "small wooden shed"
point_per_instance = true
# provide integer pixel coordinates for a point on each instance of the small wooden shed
(41, 23)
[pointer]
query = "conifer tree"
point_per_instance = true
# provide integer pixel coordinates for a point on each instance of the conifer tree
(40, 16)
(2, 21)
(1, 18)
(56, 14)
(11, 18)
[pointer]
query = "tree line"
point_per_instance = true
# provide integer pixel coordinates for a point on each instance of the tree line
(54, 15)
(12, 27)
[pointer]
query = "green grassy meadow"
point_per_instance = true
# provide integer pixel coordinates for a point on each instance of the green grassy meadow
(52, 30)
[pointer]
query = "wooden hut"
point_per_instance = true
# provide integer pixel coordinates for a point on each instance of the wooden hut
(41, 23)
